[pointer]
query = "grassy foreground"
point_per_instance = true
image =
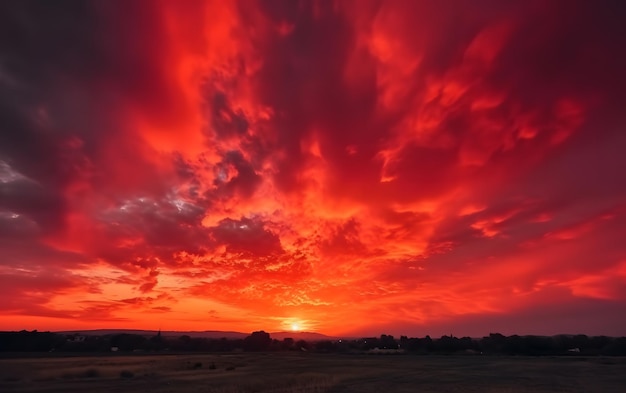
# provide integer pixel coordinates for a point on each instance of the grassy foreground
(311, 373)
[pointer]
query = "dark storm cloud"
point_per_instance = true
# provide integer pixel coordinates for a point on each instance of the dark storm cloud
(24, 196)
(226, 121)
(243, 182)
(344, 239)
(247, 236)
(43, 45)
(54, 59)
(159, 228)
(310, 57)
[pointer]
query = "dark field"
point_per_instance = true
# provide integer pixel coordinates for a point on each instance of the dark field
(302, 372)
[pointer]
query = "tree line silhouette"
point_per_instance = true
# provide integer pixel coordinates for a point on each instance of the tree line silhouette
(260, 341)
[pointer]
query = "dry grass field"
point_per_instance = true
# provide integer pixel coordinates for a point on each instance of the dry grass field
(310, 373)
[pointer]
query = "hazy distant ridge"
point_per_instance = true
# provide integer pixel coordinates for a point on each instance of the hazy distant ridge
(309, 336)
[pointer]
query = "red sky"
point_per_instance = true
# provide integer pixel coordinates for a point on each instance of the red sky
(355, 167)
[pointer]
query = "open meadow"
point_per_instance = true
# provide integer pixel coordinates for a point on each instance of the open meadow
(311, 373)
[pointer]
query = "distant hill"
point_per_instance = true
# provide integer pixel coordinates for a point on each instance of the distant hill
(307, 336)
(167, 333)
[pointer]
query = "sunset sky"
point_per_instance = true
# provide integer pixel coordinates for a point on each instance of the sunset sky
(350, 167)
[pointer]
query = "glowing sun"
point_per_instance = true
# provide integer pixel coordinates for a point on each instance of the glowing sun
(295, 327)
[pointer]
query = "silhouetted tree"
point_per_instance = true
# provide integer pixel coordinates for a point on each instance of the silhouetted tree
(617, 347)
(261, 341)
(325, 346)
(494, 343)
(157, 342)
(257, 341)
(128, 342)
(30, 341)
(287, 343)
(580, 341)
(303, 345)
(387, 342)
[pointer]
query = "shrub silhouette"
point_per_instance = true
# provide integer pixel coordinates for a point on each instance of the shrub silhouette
(257, 341)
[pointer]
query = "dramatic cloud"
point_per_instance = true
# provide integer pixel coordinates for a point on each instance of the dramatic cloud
(356, 167)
